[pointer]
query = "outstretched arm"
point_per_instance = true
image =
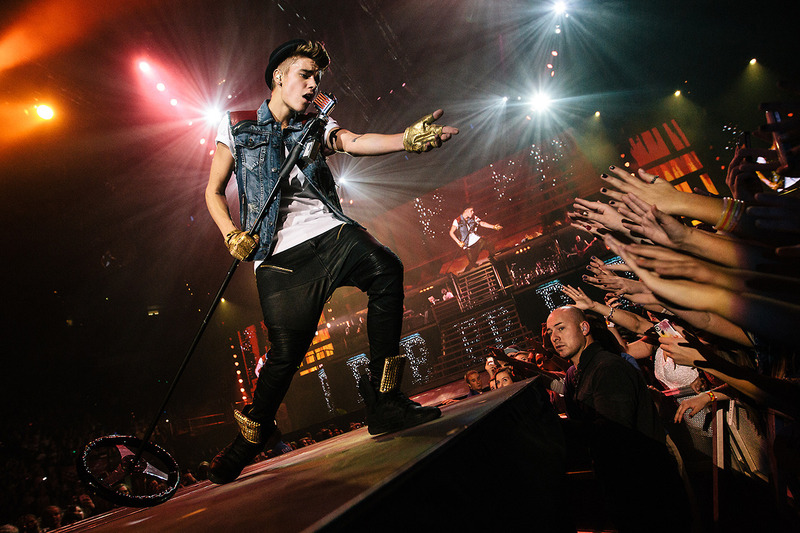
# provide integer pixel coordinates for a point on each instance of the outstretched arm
(659, 192)
(772, 318)
(626, 319)
(426, 135)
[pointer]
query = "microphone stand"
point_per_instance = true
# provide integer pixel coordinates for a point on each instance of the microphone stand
(103, 481)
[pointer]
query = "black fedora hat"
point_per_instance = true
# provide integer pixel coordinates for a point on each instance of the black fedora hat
(279, 55)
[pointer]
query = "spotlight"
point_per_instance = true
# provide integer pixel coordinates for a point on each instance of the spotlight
(597, 113)
(161, 87)
(559, 8)
(45, 112)
(145, 67)
(540, 102)
(677, 93)
(753, 61)
(213, 116)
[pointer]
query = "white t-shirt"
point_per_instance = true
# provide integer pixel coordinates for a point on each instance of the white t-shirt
(301, 215)
(472, 238)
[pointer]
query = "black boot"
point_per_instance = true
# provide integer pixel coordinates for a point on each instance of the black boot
(388, 409)
(253, 437)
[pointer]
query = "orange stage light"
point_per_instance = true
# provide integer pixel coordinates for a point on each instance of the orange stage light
(64, 22)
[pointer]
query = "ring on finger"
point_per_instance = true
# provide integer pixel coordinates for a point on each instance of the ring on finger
(652, 181)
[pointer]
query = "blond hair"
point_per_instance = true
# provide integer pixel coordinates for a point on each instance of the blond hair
(314, 50)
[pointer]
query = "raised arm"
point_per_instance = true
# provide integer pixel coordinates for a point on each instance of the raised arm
(625, 319)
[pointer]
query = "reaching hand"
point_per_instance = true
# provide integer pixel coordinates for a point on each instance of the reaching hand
(669, 263)
(598, 267)
(646, 220)
(677, 291)
(604, 214)
(692, 406)
(612, 300)
(582, 301)
(678, 349)
(652, 189)
(601, 281)
(595, 228)
(604, 279)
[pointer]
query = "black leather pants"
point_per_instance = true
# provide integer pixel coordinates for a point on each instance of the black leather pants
(475, 250)
(293, 287)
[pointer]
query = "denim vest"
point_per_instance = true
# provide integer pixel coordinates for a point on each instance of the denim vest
(258, 155)
(465, 227)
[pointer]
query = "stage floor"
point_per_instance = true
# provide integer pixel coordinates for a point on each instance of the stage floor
(308, 488)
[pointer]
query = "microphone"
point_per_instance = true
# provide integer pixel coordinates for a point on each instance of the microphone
(324, 103)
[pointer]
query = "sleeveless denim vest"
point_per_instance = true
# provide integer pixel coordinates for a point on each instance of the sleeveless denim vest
(465, 227)
(258, 154)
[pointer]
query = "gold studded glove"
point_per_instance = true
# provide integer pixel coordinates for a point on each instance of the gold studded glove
(241, 244)
(420, 133)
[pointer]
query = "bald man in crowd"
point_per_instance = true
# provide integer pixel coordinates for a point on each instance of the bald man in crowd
(612, 413)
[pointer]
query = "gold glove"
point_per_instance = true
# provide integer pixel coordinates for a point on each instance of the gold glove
(241, 244)
(420, 133)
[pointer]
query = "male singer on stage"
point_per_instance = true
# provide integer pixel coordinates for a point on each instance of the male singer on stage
(306, 247)
(466, 226)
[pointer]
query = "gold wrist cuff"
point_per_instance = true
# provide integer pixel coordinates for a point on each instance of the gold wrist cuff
(251, 430)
